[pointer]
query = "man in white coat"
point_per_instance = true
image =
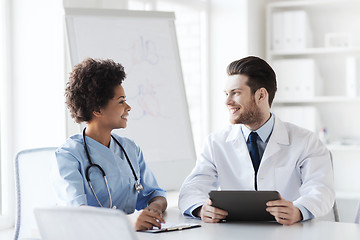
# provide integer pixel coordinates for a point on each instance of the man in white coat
(260, 152)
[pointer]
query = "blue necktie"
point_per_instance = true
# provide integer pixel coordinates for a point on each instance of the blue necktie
(254, 153)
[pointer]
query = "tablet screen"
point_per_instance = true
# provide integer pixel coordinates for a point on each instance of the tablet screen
(244, 205)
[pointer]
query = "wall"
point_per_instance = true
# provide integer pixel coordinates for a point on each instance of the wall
(227, 42)
(35, 73)
(6, 167)
(38, 74)
(256, 19)
(236, 30)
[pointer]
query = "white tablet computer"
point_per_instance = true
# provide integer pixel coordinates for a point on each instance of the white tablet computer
(244, 205)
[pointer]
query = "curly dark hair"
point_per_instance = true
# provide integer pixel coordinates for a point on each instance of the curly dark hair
(91, 86)
(260, 74)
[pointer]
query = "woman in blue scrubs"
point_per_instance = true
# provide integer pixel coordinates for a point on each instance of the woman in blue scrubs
(94, 95)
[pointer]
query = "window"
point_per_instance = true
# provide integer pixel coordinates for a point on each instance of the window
(5, 165)
(31, 103)
(2, 31)
(191, 29)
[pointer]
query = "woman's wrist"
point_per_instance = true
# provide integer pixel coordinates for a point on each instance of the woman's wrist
(158, 203)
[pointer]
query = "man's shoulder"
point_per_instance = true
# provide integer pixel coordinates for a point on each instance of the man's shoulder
(230, 131)
(293, 130)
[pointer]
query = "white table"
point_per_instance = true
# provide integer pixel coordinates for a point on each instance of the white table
(309, 230)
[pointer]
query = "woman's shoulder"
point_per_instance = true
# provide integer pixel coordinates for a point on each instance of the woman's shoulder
(72, 144)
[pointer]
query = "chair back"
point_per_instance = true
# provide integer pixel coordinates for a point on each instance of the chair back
(33, 188)
(333, 215)
(357, 217)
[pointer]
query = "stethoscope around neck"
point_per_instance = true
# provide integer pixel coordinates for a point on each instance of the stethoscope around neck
(138, 185)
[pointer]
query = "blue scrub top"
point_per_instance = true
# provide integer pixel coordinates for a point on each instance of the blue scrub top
(73, 189)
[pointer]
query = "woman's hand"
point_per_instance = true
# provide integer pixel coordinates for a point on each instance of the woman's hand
(155, 207)
(148, 219)
(152, 215)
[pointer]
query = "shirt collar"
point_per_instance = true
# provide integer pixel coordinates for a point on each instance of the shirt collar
(264, 131)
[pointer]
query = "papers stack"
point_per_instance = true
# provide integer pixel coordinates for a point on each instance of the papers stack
(166, 227)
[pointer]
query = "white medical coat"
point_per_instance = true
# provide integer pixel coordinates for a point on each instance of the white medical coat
(295, 163)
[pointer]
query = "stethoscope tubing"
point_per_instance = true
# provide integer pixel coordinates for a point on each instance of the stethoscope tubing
(138, 185)
(127, 158)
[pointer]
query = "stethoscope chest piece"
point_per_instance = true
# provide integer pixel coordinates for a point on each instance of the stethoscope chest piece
(138, 186)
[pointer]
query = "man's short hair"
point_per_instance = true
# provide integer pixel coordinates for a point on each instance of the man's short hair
(259, 73)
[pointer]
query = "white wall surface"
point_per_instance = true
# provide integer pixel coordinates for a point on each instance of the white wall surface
(38, 73)
(35, 73)
(227, 42)
(6, 173)
(256, 11)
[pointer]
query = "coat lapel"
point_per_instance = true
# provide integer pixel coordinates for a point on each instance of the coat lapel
(279, 136)
(237, 139)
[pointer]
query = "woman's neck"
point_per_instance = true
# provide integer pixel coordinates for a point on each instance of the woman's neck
(98, 134)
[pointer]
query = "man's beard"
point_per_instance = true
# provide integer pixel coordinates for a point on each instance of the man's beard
(250, 115)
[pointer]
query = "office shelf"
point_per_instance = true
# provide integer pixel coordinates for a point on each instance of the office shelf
(335, 107)
(347, 195)
(314, 51)
(311, 3)
(352, 148)
(321, 99)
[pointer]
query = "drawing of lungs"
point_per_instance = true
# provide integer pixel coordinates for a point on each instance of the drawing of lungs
(144, 51)
(148, 100)
(146, 103)
(150, 52)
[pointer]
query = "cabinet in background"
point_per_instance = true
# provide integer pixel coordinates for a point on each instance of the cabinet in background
(314, 48)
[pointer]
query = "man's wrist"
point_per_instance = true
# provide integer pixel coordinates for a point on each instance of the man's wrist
(196, 211)
(301, 216)
(305, 213)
